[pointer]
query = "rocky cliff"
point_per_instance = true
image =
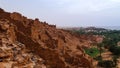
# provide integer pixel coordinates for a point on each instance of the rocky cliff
(34, 44)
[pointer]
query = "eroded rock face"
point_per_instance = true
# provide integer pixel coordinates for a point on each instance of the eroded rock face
(13, 53)
(53, 48)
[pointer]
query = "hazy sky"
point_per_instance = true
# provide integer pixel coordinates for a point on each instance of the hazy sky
(68, 12)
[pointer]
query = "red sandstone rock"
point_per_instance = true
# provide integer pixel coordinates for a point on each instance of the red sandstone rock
(58, 48)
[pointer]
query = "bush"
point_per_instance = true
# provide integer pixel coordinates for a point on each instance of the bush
(115, 50)
(106, 64)
(93, 52)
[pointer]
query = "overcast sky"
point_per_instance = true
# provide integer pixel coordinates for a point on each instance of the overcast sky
(68, 12)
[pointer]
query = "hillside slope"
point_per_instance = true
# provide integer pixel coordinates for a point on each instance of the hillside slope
(58, 48)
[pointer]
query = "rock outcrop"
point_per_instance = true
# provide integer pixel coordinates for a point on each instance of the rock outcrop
(35, 44)
(13, 53)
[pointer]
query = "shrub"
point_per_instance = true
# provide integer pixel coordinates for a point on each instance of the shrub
(115, 50)
(106, 64)
(93, 52)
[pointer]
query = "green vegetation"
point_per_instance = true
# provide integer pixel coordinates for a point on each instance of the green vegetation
(115, 50)
(106, 64)
(110, 42)
(111, 38)
(93, 52)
